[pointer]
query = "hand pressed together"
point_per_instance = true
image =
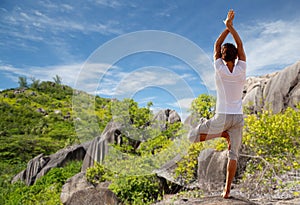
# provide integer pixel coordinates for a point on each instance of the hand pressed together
(230, 16)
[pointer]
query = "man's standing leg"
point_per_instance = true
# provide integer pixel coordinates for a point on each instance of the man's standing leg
(235, 134)
(231, 170)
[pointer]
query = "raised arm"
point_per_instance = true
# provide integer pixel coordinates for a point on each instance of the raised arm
(218, 44)
(235, 35)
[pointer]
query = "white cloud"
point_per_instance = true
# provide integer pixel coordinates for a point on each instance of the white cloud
(109, 3)
(32, 24)
(68, 73)
(119, 82)
(271, 44)
(166, 12)
(185, 103)
(147, 99)
(81, 76)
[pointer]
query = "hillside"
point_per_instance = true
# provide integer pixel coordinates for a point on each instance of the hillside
(38, 120)
(42, 133)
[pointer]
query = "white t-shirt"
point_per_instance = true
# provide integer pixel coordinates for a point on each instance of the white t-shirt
(229, 87)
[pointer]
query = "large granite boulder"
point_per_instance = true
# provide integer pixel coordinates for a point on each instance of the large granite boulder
(76, 183)
(92, 196)
(167, 172)
(40, 165)
(78, 191)
(275, 91)
(212, 169)
(206, 200)
(99, 147)
(165, 117)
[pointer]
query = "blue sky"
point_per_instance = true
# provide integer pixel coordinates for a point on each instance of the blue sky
(43, 38)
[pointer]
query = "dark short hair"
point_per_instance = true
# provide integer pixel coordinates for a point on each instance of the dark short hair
(231, 52)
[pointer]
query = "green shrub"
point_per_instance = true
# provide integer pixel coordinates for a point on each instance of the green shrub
(98, 173)
(275, 137)
(136, 190)
(187, 167)
(273, 143)
(46, 190)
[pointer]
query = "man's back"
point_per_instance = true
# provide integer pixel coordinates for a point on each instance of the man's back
(229, 87)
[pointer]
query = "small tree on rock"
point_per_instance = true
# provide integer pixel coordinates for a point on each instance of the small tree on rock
(57, 80)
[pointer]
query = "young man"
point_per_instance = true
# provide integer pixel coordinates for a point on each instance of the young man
(230, 78)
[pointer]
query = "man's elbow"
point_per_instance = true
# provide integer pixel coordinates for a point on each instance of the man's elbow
(217, 44)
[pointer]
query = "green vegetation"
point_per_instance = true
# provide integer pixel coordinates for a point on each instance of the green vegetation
(46, 190)
(39, 118)
(137, 190)
(273, 143)
(131, 189)
(204, 106)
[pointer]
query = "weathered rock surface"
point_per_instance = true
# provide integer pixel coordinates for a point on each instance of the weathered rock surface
(236, 199)
(167, 172)
(78, 191)
(212, 168)
(92, 196)
(100, 145)
(209, 200)
(74, 184)
(275, 91)
(279, 202)
(165, 117)
(40, 165)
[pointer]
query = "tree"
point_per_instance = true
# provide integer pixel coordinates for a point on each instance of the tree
(204, 106)
(57, 79)
(35, 83)
(22, 82)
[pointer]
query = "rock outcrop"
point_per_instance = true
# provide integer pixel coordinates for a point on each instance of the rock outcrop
(78, 191)
(211, 170)
(275, 91)
(208, 200)
(40, 165)
(100, 145)
(74, 184)
(165, 117)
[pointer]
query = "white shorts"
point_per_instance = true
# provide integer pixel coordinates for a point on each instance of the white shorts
(231, 123)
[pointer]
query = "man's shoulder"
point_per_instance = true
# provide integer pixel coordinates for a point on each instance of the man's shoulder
(218, 63)
(241, 62)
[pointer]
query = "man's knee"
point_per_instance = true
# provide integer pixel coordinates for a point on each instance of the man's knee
(233, 155)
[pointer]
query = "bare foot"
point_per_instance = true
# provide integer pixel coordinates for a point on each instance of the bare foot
(225, 195)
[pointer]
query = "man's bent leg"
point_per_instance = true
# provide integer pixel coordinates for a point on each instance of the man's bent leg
(204, 137)
(231, 170)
